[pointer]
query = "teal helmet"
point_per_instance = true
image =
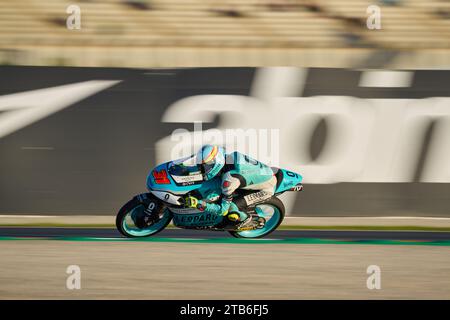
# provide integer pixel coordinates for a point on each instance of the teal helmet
(211, 160)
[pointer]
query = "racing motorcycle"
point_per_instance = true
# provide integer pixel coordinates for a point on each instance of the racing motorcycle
(169, 183)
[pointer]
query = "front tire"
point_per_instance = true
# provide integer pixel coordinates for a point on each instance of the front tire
(125, 223)
(274, 215)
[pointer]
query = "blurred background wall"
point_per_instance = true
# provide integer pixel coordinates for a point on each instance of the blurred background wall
(161, 33)
(82, 140)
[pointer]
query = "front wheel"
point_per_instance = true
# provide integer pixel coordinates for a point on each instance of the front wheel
(130, 220)
(272, 211)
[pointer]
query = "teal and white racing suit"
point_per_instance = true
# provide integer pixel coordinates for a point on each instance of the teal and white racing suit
(240, 172)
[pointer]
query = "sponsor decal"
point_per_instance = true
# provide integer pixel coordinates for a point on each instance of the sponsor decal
(297, 188)
(190, 179)
(388, 146)
(195, 219)
(161, 177)
(184, 210)
(256, 197)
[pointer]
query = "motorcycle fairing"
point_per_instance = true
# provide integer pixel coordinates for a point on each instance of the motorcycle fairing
(168, 184)
(286, 180)
(160, 179)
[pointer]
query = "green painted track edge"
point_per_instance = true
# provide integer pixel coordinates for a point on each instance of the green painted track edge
(282, 227)
(238, 241)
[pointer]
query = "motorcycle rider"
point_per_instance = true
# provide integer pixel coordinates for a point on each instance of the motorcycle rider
(236, 170)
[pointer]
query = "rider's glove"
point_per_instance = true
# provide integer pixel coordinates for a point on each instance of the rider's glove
(190, 202)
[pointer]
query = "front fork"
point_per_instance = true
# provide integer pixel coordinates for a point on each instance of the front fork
(153, 208)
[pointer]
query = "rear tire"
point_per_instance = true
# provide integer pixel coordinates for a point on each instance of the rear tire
(137, 204)
(273, 202)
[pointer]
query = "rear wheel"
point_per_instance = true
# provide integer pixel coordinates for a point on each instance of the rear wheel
(272, 211)
(132, 222)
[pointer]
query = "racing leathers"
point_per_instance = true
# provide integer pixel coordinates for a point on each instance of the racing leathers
(240, 171)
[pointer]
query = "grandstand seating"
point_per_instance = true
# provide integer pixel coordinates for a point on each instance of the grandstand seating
(233, 24)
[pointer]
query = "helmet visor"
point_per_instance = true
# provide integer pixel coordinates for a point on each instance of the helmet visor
(207, 167)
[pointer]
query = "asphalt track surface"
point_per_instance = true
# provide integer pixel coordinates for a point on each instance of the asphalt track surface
(57, 232)
(288, 264)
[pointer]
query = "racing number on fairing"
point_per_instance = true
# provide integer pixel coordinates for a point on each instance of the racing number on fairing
(151, 206)
(291, 174)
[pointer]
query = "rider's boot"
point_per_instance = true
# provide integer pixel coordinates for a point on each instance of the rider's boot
(236, 217)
